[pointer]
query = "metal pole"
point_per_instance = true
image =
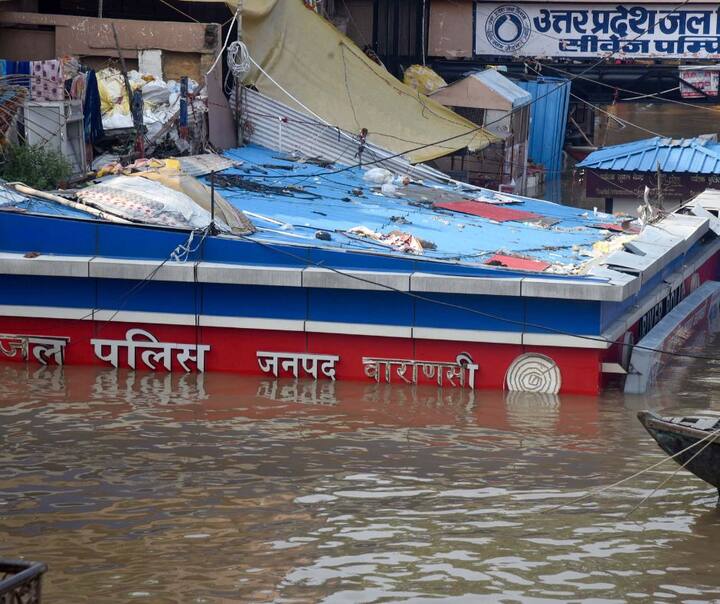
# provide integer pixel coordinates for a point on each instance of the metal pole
(238, 118)
(659, 188)
(212, 197)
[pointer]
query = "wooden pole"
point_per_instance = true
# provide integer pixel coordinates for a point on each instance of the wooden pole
(139, 142)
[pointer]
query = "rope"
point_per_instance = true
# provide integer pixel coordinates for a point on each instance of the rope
(664, 482)
(652, 95)
(238, 67)
(474, 311)
(225, 44)
(624, 480)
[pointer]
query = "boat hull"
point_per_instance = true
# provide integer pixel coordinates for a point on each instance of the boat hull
(703, 459)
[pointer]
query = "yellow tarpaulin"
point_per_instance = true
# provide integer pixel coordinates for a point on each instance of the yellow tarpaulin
(328, 73)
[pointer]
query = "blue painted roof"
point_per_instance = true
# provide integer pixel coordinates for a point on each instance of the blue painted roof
(335, 203)
(689, 155)
(289, 201)
(15, 202)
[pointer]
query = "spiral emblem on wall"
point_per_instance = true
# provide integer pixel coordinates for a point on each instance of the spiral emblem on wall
(532, 372)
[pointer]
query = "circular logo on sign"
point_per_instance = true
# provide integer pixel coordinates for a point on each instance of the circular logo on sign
(508, 28)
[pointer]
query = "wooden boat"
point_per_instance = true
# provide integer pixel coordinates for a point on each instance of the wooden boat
(675, 434)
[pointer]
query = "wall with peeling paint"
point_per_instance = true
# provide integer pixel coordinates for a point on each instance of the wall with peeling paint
(89, 36)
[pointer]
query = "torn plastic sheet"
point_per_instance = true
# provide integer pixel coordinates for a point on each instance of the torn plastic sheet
(403, 242)
(161, 100)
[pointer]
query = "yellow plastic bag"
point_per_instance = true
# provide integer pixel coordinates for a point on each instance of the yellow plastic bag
(423, 79)
(111, 87)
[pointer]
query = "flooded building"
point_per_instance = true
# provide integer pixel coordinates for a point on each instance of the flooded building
(659, 80)
(673, 171)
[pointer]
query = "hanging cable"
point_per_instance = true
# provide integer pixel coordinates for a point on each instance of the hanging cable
(238, 59)
(496, 317)
(472, 130)
(225, 44)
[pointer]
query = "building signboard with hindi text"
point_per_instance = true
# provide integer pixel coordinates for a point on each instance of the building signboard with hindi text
(596, 30)
(622, 185)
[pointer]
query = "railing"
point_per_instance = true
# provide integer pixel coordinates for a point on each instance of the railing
(20, 582)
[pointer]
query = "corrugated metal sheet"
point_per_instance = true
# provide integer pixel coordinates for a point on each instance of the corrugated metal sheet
(688, 155)
(503, 86)
(199, 165)
(548, 120)
(280, 128)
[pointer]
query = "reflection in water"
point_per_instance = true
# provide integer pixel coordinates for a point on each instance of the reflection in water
(209, 488)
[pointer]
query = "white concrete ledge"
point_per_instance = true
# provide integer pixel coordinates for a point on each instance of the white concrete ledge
(536, 287)
(467, 335)
(565, 341)
(359, 329)
(244, 274)
(353, 279)
(44, 265)
(297, 325)
(619, 285)
(139, 270)
(46, 312)
(135, 316)
(452, 284)
(252, 323)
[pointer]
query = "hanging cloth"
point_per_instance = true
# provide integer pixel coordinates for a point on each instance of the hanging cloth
(48, 82)
(77, 87)
(91, 107)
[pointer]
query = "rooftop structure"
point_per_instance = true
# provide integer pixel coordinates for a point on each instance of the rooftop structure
(699, 155)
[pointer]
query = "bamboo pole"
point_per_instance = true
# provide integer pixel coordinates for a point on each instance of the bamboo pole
(25, 190)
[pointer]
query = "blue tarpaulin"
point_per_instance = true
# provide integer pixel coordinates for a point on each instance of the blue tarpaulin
(548, 120)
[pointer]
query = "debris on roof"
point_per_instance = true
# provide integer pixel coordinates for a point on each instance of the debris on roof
(290, 201)
(517, 262)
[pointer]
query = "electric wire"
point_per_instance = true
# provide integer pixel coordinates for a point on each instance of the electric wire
(610, 115)
(610, 86)
(478, 128)
(475, 311)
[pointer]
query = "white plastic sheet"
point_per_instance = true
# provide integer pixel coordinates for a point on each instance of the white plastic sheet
(161, 99)
(142, 200)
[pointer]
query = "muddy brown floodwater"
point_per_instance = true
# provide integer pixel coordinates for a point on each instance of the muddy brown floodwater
(165, 488)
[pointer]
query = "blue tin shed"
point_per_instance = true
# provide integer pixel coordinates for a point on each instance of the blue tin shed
(674, 169)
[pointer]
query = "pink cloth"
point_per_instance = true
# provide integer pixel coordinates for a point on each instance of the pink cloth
(46, 80)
